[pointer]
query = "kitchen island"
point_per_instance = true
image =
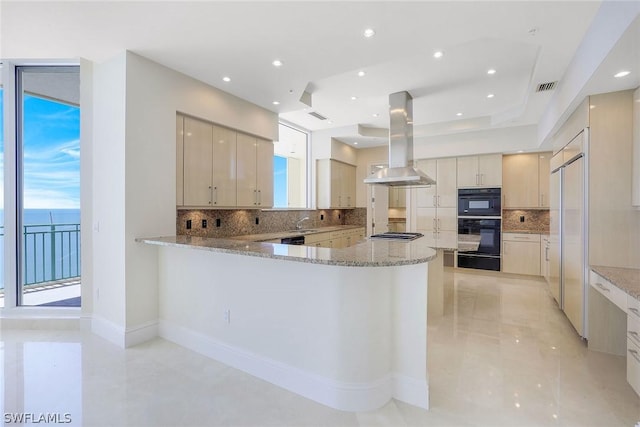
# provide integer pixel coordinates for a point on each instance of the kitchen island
(344, 327)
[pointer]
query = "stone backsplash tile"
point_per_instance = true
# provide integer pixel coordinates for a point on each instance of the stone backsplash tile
(235, 222)
(535, 220)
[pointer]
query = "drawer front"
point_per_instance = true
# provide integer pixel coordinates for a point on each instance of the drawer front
(611, 292)
(520, 237)
(633, 329)
(633, 307)
(633, 366)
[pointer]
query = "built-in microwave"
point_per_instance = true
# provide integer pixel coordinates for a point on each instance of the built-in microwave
(479, 202)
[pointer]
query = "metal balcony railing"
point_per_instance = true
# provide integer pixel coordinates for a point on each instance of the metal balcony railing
(51, 252)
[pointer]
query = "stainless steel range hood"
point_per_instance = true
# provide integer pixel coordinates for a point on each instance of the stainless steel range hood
(400, 172)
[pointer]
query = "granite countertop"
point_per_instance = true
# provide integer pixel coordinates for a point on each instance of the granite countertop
(627, 279)
(366, 253)
(542, 232)
(292, 233)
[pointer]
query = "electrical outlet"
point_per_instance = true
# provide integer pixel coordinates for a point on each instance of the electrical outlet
(521, 218)
(321, 217)
(188, 224)
(217, 222)
(257, 221)
(204, 223)
(227, 316)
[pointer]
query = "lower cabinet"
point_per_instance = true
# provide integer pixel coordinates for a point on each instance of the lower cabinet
(521, 253)
(633, 343)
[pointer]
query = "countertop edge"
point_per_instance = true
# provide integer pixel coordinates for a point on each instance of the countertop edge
(161, 241)
(628, 286)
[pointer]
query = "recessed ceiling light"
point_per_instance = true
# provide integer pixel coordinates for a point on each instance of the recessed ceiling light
(226, 79)
(622, 73)
(353, 98)
(361, 73)
(438, 54)
(276, 103)
(490, 95)
(355, 143)
(458, 114)
(376, 115)
(277, 63)
(491, 71)
(520, 151)
(330, 122)
(369, 32)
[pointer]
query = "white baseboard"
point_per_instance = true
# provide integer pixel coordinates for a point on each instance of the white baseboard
(141, 333)
(108, 330)
(356, 397)
(123, 337)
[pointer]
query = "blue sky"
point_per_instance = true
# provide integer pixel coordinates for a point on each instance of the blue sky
(51, 154)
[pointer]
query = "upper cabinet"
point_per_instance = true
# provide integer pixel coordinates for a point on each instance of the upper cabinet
(397, 197)
(525, 180)
(254, 172)
(635, 183)
(218, 167)
(336, 184)
(480, 171)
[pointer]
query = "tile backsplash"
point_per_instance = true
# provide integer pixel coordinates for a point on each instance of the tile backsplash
(235, 222)
(535, 220)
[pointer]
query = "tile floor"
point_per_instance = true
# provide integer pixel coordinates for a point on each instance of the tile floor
(502, 355)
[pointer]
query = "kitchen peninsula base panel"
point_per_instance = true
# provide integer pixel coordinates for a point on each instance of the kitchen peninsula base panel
(351, 338)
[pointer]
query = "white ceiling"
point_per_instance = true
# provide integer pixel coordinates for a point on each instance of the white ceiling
(322, 47)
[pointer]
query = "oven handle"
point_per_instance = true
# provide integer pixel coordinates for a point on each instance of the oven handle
(477, 255)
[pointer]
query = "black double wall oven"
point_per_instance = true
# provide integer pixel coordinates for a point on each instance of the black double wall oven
(479, 225)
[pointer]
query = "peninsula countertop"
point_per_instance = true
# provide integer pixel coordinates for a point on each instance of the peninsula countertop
(366, 253)
(627, 279)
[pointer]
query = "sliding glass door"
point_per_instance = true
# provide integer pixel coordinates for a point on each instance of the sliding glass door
(48, 185)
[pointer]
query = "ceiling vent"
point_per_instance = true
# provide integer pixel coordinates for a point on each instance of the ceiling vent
(543, 87)
(317, 116)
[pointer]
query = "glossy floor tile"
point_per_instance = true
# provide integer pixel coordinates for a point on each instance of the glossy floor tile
(502, 355)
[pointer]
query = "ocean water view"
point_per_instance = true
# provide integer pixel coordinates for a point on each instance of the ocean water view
(51, 239)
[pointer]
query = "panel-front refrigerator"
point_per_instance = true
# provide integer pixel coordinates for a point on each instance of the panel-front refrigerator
(568, 231)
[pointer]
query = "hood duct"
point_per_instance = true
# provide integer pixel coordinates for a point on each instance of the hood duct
(400, 172)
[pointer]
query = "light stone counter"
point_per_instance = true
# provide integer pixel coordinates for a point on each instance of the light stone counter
(627, 279)
(367, 253)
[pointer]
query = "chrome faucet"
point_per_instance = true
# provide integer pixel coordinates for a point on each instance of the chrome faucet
(299, 223)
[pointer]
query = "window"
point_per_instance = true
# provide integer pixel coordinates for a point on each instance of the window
(290, 168)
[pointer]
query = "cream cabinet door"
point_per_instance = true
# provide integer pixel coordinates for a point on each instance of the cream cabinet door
(348, 185)
(544, 173)
(264, 172)
(426, 196)
(446, 183)
(246, 164)
(198, 162)
(467, 171)
(335, 176)
(520, 181)
(447, 219)
(490, 170)
(224, 167)
(179, 160)
(521, 257)
(426, 221)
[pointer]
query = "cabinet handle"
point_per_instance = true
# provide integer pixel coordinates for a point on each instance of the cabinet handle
(435, 225)
(259, 197)
(635, 355)
(477, 179)
(634, 336)
(546, 254)
(439, 226)
(634, 311)
(255, 197)
(215, 195)
(602, 287)
(438, 200)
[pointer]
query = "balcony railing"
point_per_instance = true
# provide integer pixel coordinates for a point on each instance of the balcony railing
(51, 252)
